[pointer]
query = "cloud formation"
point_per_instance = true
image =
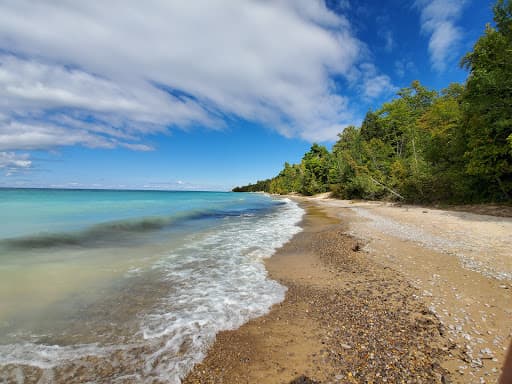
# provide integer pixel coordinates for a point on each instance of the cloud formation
(374, 84)
(11, 162)
(107, 74)
(438, 20)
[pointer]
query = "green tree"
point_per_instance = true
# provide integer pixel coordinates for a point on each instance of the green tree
(445, 147)
(488, 106)
(372, 126)
(315, 165)
(351, 174)
(409, 174)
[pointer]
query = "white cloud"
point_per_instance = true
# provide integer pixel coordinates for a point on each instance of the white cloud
(377, 86)
(12, 162)
(35, 135)
(438, 18)
(374, 84)
(27, 84)
(106, 74)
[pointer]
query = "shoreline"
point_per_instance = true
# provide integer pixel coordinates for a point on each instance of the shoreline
(335, 325)
(354, 312)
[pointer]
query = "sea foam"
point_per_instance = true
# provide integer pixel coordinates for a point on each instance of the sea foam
(220, 282)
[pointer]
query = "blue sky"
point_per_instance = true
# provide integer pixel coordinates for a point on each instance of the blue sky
(206, 94)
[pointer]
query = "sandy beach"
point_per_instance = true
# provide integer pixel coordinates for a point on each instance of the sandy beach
(378, 293)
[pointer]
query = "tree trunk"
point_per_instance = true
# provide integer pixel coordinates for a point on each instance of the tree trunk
(500, 184)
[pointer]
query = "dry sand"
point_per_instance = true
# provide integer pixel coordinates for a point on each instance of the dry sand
(461, 264)
(379, 293)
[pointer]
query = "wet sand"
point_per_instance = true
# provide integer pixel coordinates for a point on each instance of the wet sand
(346, 318)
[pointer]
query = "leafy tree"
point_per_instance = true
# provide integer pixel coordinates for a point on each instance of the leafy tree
(352, 175)
(488, 106)
(315, 164)
(372, 126)
(445, 147)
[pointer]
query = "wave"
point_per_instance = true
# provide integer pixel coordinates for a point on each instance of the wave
(123, 230)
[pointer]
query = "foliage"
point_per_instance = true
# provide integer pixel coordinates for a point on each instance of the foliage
(488, 106)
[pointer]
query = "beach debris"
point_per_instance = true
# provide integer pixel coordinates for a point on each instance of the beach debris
(303, 380)
(356, 247)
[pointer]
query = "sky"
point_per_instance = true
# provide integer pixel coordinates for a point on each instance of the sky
(206, 94)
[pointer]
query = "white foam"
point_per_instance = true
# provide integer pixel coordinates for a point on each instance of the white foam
(220, 283)
(46, 356)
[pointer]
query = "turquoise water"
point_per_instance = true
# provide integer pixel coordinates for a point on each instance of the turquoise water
(86, 274)
(30, 212)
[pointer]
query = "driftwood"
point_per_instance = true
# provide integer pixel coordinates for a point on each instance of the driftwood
(385, 186)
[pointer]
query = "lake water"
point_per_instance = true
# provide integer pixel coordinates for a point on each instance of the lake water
(130, 286)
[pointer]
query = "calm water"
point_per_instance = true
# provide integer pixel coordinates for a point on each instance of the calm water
(130, 286)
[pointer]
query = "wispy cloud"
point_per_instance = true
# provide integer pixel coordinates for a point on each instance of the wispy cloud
(438, 20)
(107, 74)
(385, 32)
(375, 84)
(38, 135)
(12, 163)
(404, 66)
(389, 42)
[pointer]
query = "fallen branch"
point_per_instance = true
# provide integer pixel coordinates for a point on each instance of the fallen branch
(389, 189)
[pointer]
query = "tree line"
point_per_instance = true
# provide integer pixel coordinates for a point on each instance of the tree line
(453, 145)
